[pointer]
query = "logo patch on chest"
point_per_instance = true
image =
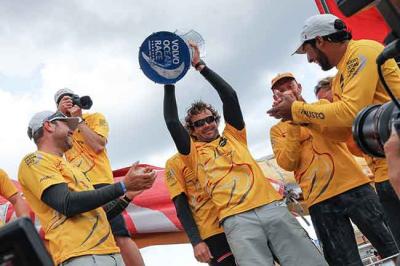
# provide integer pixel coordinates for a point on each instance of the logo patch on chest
(222, 142)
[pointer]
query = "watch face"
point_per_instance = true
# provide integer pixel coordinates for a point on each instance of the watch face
(164, 57)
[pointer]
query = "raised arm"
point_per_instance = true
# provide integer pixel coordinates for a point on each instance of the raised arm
(231, 107)
(178, 132)
(96, 134)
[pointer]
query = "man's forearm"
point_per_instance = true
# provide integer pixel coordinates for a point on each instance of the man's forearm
(186, 218)
(232, 112)
(286, 147)
(20, 206)
(175, 128)
(71, 203)
(336, 114)
(115, 207)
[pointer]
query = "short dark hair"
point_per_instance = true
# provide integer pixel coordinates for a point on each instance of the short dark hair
(337, 37)
(196, 108)
(36, 136)
(38, 133)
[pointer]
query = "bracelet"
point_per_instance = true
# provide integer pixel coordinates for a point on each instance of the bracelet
(81, 121)
(126, 199)
(123, 186)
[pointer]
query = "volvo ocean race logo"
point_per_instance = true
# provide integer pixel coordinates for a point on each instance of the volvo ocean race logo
(164, 57)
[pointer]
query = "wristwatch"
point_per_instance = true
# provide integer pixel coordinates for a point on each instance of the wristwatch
(200, 63)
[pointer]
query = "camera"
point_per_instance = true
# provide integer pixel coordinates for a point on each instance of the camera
(84, 102)
(373, 127)
(21, 245)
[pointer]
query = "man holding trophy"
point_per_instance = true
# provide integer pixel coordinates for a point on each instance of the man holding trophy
(256, 222)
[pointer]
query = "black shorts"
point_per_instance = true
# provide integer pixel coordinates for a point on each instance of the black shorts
(220, 250)
(118, 226)
(391, 206)
(331, 219)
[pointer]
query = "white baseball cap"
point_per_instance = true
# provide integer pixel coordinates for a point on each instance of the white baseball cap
(61, 93)
(318, 25)
(40, 118)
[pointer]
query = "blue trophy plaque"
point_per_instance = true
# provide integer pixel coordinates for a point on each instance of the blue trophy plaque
(164, 57)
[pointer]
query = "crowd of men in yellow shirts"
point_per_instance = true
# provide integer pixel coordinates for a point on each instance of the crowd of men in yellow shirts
(230, 212)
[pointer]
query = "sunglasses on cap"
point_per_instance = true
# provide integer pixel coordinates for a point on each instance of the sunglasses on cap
(202, 122)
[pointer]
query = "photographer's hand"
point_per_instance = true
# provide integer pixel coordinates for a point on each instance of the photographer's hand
(65, 104)
(75, 111)
(392, 152)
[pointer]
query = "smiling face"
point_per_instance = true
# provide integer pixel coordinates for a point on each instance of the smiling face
(205, 127)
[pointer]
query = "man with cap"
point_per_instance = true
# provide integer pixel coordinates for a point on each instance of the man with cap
(69, 208)
(255, 220)
(327, 42)
(89, 153)
(321, 166)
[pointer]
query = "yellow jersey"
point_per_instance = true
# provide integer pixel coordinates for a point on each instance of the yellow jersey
(378, 167)
(229, 174)
(83, 234)
(322, 167)
(180, 179)
(95, 166)
(7, 188)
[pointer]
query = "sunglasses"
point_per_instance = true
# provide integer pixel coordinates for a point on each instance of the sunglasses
(202, 122)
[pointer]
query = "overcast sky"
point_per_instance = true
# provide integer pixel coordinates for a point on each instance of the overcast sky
(91, 47)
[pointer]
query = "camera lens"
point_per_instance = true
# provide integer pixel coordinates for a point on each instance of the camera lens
(86, 102)
(372, 128)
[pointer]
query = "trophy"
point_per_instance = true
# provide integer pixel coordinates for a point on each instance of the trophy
(194, 37)
(165, 57)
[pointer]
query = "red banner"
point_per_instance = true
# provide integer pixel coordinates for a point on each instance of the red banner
(151, 216)
(366, 24)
